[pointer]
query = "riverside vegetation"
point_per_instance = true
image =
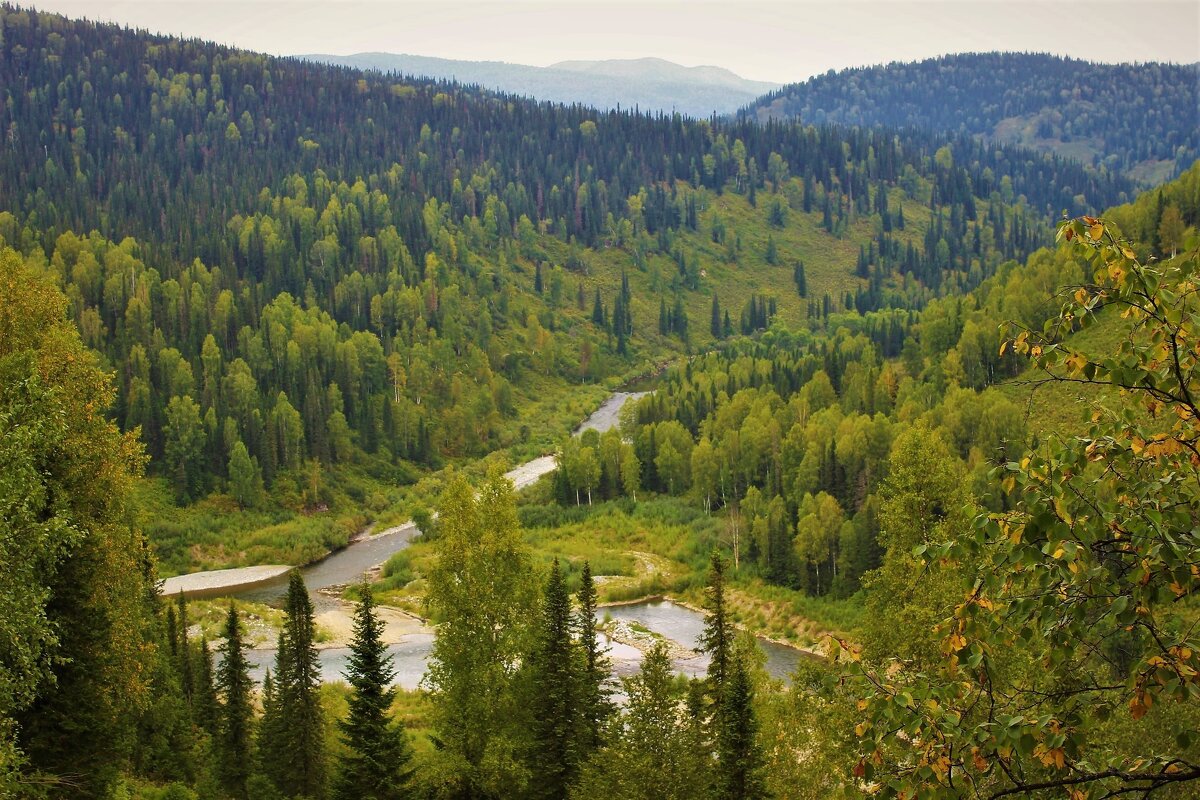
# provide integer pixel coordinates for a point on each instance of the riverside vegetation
(229, 335)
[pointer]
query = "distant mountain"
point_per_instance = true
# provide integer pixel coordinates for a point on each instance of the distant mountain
(1140, 119)
(650, 84)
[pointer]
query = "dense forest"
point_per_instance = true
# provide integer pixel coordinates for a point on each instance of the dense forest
(316, 293)
(250, 306)
(1135, 119)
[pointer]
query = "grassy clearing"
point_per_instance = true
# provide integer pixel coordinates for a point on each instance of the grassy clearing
(657, 546)
(1065, 408)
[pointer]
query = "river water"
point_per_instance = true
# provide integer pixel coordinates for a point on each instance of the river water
(350, 563)
(677, 623)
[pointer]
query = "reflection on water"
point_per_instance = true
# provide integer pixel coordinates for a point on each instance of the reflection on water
(669, 620)
(410, 656)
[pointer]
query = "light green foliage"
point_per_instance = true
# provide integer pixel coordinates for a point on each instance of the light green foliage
(184, 449)
(924, 501)
(482, 594)
(656, 751)
(73, 628)
(245, 478)
(1089, 575)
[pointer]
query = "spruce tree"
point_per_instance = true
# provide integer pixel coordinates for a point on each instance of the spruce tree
(555, 681)
(716, 639)
(205, 707)
(272, 733)
(802, 283)
(595, 707)
(182, 650)
(715, 325)
(298, 678)
(234, 721)
(739, 757)
(376, 766)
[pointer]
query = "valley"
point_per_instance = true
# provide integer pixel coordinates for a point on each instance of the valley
(371, 435)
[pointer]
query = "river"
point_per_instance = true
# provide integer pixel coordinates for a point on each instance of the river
(680, 625)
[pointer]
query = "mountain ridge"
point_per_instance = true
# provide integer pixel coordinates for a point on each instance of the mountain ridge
(1136, 118)
(650, 84)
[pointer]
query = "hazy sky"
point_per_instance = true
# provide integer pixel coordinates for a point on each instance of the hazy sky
(778, 41)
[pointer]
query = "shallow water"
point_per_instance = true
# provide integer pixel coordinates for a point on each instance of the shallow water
(669, 620)
(351, 562)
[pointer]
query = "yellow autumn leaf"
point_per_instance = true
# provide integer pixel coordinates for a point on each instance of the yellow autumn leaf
(1096, 231)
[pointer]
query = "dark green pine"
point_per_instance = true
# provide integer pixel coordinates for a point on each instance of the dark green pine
(716, 637)
(740, 759)
(182, 650)
(205, 706)
(234, 735)
(555, 702)
(377, 764)
(298, 687)
(595, 707)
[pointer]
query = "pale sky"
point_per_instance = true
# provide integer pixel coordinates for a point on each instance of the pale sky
(771, 41)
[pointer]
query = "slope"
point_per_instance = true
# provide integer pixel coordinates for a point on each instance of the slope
(316, 285)
(1136, 118)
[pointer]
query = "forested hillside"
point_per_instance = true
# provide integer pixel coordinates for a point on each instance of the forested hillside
(1136, 119)
(320, 291)
(251, 306)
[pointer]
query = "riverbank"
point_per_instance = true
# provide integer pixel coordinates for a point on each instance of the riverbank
(221, 581)
(365, 550)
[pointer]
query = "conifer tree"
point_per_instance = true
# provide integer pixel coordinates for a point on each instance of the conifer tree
(657, 754)
(802, 283)
(205, 707)
(269, 733)
(377, 764)
(739, 757)
(595, 708)
(234, 737)
(716, 639)
(181, 648)
(298, 677)
(555, 680)
(272, 734)
(715, 325)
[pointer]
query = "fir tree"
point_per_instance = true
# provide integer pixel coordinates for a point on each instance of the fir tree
(272, 730)
(716, 639)
(182, 650)
(205, 707)
(772, 254)
(739, 757)
(269, 730)
(802, 283)
(715, 325)
(298, 674)
(595, 708)
(377, 764)
(555, 702)
(599, 314)
(234, 732)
